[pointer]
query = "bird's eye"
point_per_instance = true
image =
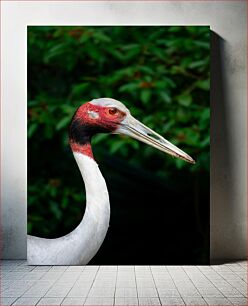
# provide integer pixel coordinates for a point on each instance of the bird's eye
(112, 111)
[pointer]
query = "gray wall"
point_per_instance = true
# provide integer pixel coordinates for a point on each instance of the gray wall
(228, 101)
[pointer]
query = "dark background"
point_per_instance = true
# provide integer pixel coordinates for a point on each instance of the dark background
(159, 204)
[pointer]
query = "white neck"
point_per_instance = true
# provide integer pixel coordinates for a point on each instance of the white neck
(80, 246)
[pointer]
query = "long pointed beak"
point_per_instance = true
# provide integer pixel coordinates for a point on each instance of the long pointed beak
(135, 129)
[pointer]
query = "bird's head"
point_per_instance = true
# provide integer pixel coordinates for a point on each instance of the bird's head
(106, 115)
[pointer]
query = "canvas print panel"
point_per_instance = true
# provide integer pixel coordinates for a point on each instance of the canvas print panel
(159, 204)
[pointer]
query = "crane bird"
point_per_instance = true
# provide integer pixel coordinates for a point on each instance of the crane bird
(104, 115)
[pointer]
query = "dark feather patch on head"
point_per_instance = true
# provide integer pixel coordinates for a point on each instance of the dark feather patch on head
(82, 133)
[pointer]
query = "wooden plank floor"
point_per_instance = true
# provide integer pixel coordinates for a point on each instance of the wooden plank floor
(123, 285)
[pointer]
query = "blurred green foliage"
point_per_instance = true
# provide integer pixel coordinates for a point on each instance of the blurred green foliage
(161, 73)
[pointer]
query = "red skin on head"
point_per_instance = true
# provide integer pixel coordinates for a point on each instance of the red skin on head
(94, 119)
(104, 119)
